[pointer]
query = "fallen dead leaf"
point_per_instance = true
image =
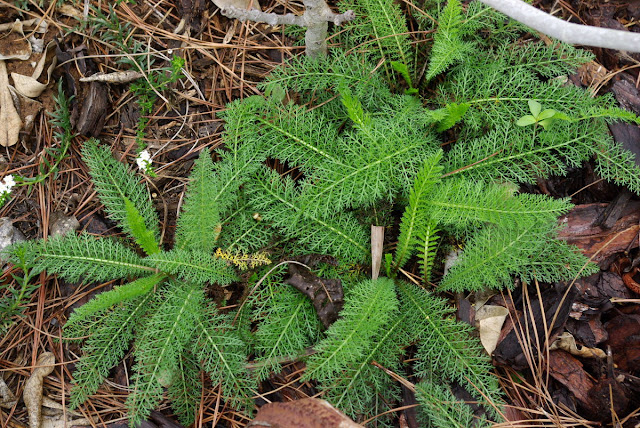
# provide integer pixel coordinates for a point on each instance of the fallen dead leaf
(490, 320)
(7, 399)
(32, 395)
(10, 123)
(308, 412)
(567, 342)
(29, 86)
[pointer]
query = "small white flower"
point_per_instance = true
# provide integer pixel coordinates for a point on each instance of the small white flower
(6, 185)
(144, 160)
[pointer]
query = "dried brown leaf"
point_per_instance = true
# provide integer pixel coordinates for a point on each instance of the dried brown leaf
(10, 123)
(32, 395)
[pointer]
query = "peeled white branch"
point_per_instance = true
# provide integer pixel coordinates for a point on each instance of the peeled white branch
(566, 31)
(315, 19)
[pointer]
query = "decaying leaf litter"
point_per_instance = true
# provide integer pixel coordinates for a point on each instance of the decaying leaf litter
(227, 59)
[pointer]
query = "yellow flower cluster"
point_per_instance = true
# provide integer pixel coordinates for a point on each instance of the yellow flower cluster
(243, 260)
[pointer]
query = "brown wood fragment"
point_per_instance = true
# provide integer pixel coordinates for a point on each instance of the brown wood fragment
(305, 413)
(568, 370)
(93, 112)
(596, 241)
(611, 214)
(326, 295)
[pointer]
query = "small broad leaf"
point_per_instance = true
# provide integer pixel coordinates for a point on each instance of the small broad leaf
(526, 120)
(546, 123)
(546, 114)
(534, 108)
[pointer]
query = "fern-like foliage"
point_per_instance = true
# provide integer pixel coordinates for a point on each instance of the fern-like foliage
(350, 337)
(108, 299)
(108, 337)
(414, 225)
(81, 257)
(198, 225)
(159, 348)
(349, 144)
(164, 309)
(223, 355)
(448, 46)
(496, 253)
(382, 32)
(278, 201)
(441, 409)
(194, 266)
(116, 184)
(288, 326)
(144, 237)
(445, 347)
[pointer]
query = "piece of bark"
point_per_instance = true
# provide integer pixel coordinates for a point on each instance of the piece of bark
(590, 332)
(599, 288)
(164, 422)
(93, 112)
(305, 413)
(612, 213)
(607, 394)
(627, 134)
(556, 310)
(409, 403)
(624, 340)
(627, 93)
(326, 295)
(596, 241)
(568, 370)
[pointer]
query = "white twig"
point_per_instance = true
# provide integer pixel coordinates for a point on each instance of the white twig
(315, 18)
(566, 31)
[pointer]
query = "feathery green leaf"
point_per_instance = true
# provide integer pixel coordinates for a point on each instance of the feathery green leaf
(199, 222)
(84, 257)
(115, 183)
(143, 236)
(104, 301)
(372, 305)
(195, 266)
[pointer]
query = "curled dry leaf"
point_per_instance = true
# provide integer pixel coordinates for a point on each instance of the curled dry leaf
(7, 399)
(326, 295)
(29, 86)
(240, 4)
(32, 395)
(10, 123)
(117, 77)
(567, 342)
(59, 421)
